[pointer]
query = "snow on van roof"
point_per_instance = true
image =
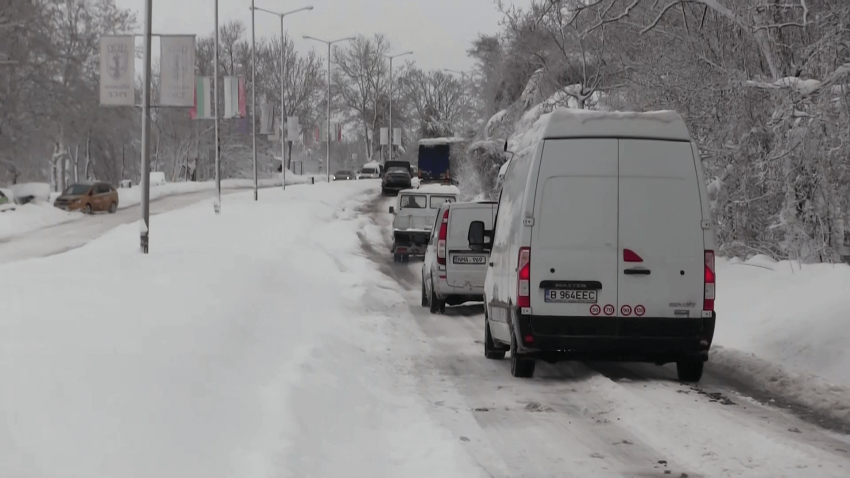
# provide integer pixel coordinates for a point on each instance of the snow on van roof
(439, 141)
(433, 189)
(575, 123)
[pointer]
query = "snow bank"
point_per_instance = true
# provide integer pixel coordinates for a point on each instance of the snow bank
(788, 328)
(439, 141)
(32, 216)
(41, 191)
(256, 343)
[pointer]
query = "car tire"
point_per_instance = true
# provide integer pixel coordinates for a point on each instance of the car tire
(521, 367)
(690, 370)
(87, 209)
(424, 297)
(112, 208)
(433, 302)
(491, 351)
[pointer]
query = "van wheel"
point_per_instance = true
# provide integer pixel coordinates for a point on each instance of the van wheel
(112, 208)
(87, 209)
(690, 370)
(520, 367)
(491, 351)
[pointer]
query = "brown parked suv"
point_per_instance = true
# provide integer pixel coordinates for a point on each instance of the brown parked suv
(88, 197)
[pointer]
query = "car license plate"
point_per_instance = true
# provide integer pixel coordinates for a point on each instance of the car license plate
(570, 296)
(468, 260)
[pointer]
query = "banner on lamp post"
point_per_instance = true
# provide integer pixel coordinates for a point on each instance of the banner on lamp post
(266, 118)
(292, 128)
(177, 75)
(234, 97)
(385, 136)
(203, 99)
(117, 70)
(397, 136)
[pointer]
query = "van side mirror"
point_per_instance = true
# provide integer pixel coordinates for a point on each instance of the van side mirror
(477, 236)
(392, 210)
(91, 192)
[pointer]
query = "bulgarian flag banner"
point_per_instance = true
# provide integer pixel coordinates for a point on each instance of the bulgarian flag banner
(203, 99)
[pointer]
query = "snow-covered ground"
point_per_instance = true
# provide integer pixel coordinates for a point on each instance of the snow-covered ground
(278, 339)
(29, 217)
(257, 343)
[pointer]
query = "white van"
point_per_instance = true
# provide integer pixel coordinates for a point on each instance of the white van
(602, 247)
(452, 273)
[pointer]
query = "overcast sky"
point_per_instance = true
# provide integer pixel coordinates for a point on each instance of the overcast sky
(438, 31)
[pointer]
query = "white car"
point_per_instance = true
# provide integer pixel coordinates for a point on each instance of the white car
(369, 173)
(603, 246)
(452, 273)
(415, 216)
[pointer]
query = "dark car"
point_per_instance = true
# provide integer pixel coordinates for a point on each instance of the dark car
(395, 179)
(344, 175)
(88, 197)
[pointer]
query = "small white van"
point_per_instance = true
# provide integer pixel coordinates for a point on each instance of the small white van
(602, 247)
(452, 273)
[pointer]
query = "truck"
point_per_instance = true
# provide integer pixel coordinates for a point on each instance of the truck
(435, 159)
(415, 217)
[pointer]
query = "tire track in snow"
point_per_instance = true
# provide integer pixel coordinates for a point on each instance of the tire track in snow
(599, 419)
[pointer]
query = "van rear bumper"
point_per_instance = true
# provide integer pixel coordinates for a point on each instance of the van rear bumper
(643, 339)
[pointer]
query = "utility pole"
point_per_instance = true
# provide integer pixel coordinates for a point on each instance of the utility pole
(328, 132)
(391, 98)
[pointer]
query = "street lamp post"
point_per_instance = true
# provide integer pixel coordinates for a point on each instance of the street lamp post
(328, 132)
(282, 89)
(391, 97)
(215, 111)
(146, 127)
(466, 106)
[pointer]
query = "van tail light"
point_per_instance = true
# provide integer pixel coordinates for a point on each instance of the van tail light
(708, 304)
(441, 239)
(524, 278)
(631, 256)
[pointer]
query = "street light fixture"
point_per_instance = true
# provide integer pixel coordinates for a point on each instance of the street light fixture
(391, 97)
(254, 92)
(466, 106)
(328, 132)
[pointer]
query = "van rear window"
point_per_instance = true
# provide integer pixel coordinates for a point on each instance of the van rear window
(438, 201)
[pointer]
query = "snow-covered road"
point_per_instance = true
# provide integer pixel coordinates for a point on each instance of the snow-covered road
(69, 235)
(278, 339)
(601, 419)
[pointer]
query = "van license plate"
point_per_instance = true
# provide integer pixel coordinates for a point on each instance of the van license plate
(571, 296)
(468, 260)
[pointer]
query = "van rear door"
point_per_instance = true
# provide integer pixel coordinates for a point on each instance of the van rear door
(465, 268)
(661, 259)
(574, 232)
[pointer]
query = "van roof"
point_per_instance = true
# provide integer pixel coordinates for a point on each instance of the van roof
(471, 205)
(433, 189)
(575, 123)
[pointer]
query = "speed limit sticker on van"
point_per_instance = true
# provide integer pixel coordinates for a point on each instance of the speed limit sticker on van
(570, 296)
